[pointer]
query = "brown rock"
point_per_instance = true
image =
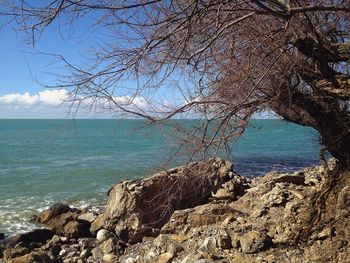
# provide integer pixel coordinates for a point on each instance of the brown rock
(139, 208)
(97, 224)
(179, 238)
(32, 257)
(199, 216)
(224, 240)
(26, 239)
(63, 221)
(14, 252)
(76, 229)
(164, 258)
(110, 258)
(254, 241)
(107, 246)
(288, 178)
(53, 211)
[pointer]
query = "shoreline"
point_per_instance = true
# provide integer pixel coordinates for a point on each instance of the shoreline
(230, 219)
(90, 203)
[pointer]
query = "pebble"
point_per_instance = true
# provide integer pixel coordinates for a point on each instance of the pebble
(62, 253)
(103, 235)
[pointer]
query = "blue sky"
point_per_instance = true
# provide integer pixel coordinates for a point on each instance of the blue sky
(25, 72)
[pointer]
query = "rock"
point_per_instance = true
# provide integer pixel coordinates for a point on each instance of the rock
(175, 248)
(164, 258)
(214, 231)
(63, 221)
(110, 258)
(277, 196)
(343, 200)
(137, 208)
(254, 241)
(107, 246)
(130, 260)
(222, 194)
(87, 243)
(284, 234)
(71, 254)
(225, 168)
(14, 252)
(103, 235)
(62, 253)
(36, 257)
(209, 244)
(53, 211)
(325, 233)
(203, 215)
(97, 254)
(179, 238)
(76, 229)
(162, 241)
(2, 236)
(97, 224)
(26, 239)
(224, 240)
(89, 217)
(293, 179)
(291, 208)
(85, 253)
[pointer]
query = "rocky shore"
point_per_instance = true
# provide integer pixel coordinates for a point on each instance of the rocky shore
(202, 212)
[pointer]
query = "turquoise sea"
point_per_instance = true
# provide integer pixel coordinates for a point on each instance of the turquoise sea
(77, 161)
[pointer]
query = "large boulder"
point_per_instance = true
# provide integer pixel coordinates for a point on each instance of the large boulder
(64, 221)
(36, 236)
(142, 207)
(21, 244)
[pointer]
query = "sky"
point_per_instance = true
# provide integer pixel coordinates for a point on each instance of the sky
(26, 73)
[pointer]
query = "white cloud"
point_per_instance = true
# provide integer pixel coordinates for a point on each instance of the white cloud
(51, 104)
(46, 97)
(53, 97)
(135, 101)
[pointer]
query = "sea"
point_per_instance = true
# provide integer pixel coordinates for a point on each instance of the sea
(76, 161)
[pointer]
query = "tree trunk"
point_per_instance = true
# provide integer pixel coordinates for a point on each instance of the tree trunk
(324, 116)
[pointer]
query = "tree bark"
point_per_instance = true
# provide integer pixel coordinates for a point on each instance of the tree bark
(332, 124)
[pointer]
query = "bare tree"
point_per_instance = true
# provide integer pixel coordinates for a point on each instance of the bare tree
(238, 57)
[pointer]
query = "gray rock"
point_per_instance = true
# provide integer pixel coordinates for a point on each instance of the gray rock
(62, 253)
(71, 254)
(85, 253)
(89, 216)
(103, 235)
(277, 196)
(254, 241)
(97, 254)
(209, 244)
(224, 240)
